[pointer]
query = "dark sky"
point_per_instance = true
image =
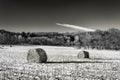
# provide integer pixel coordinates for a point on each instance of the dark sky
(42, 15)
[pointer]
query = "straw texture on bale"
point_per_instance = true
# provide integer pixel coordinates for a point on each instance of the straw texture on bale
(83, 54)
(36, 56)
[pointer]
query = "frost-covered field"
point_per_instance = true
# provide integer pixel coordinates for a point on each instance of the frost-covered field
(62, 64)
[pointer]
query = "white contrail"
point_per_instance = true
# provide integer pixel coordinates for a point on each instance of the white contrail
(76, 27)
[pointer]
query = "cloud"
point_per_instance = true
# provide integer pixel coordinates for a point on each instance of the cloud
(76, 27)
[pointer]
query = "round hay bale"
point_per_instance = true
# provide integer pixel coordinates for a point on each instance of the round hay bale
(36, 56)
(83, 54)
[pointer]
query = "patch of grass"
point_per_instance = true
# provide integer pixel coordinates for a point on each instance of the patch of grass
(61, 65)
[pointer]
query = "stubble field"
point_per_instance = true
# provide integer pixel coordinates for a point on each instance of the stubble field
(62, 64)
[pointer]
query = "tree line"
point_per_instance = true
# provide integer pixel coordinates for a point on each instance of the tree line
(109, 39)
